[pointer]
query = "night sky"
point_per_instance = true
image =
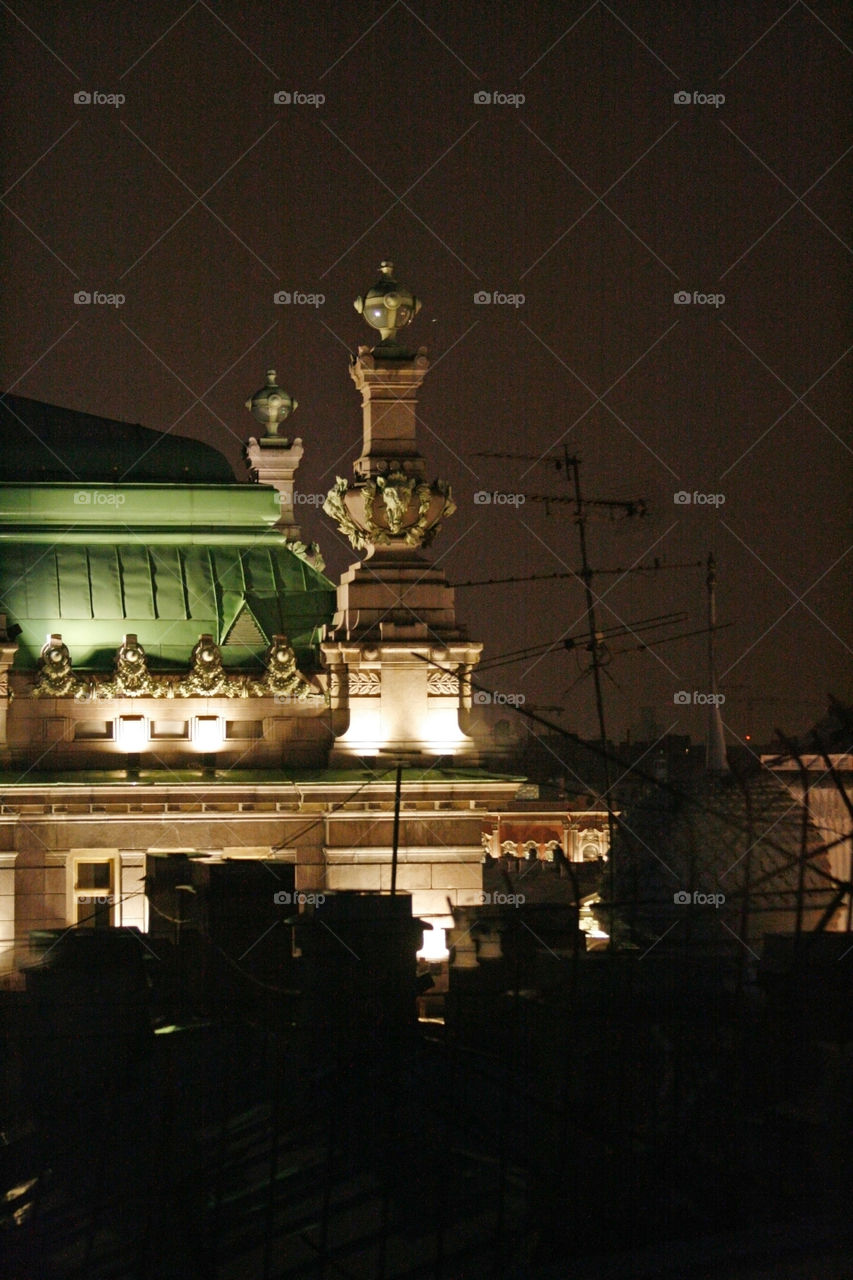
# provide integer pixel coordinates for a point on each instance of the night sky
(597, 198)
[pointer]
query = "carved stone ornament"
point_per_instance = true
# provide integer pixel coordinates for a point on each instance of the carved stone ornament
(443, 683)
(56, 678)
(393, 509)
(207, 676)
(364, 684)
(307, 551)
(282, 678)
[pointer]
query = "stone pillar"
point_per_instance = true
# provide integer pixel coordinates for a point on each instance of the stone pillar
(389, 391)
(399, 662)
(272, 458)
(274, 461)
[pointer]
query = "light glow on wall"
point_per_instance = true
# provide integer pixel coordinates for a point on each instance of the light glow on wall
(434, 948)
(208, 733)
(132, 733)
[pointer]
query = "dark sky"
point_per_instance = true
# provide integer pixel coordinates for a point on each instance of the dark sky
(597, 198)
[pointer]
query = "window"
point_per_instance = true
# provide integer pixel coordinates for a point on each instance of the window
(93, 890)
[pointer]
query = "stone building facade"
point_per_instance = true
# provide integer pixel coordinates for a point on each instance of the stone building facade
(178, 676)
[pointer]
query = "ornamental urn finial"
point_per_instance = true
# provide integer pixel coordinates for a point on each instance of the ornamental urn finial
(271, 405)
(388, 306)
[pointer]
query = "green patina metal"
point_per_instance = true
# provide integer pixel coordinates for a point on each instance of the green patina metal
(168, 562)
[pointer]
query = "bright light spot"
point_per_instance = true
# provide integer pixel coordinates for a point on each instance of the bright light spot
(207, 733)
(132, 733)
(587, 922)
(435, 945)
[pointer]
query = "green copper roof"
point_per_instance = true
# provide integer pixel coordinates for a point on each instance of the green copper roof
(45, 442)
(166, 562)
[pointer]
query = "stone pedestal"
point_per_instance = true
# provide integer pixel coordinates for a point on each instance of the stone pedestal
(273, 460)
(399, 695)
(389, 389)
(399, 663)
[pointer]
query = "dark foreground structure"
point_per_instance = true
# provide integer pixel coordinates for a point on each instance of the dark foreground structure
(603, 1114)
